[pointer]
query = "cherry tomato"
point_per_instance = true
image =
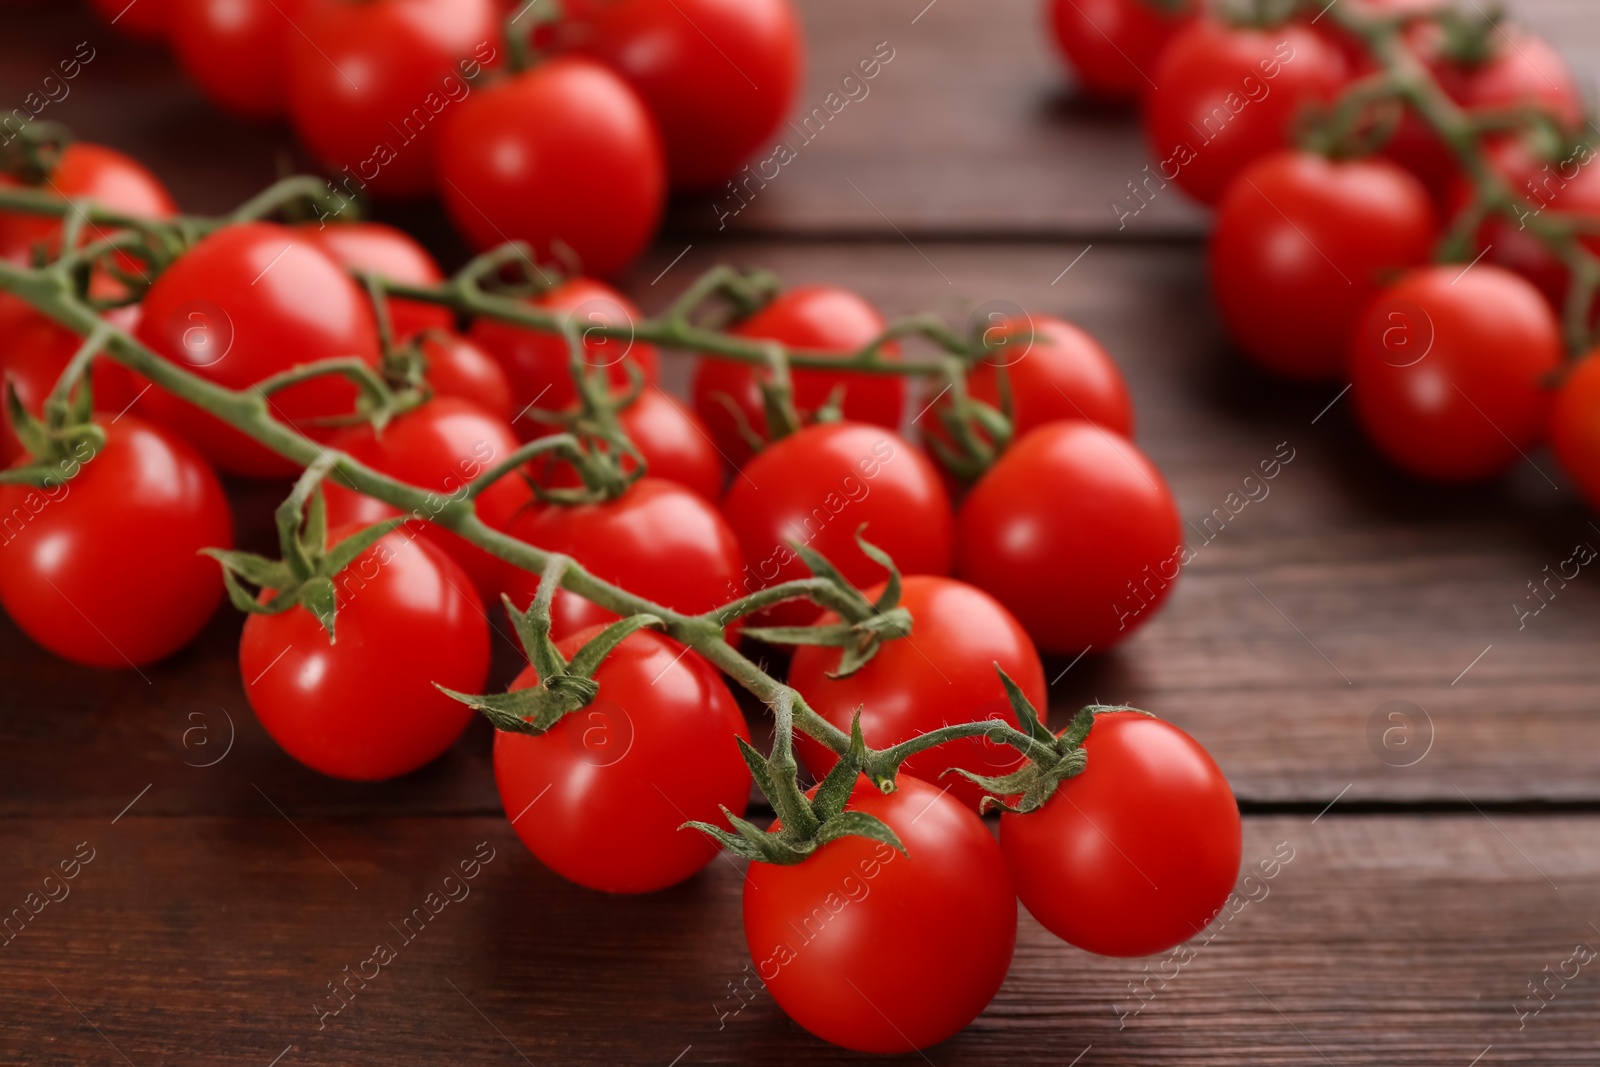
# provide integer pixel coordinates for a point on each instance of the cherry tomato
(1113, 45)
(1228, 95)
(822, 317)
(236, 51)
(247, 302)
(1076, 533)
(460, 368)
(537, 363)
(744, 55)
(1302, 244)
(817, 488)
(101, 566)
(1450, 370)
(143, 20)
(563, 156)
(365, 707)
(657, 540)
(372, 84)
(673, 442)
(862, 946)
(381, 249)
(1575, 428)
(440, 446)
(1136, 854)
(88, 172)
(655, 750)
(941, 674)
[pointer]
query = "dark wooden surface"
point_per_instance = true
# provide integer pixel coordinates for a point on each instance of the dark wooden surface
(229, 885)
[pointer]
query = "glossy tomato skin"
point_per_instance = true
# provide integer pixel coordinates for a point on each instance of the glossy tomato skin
(1075, 532)
(745, 55)
(1136, 854)
(1302, 244)
(1450, 368)
(364, 707)
(859, 944)
(658, 540)
(823, 317)
(817, 487)
(236, 51)
(90, 172)
(1575, 428)
(1228, 95)
(372, 84)
(441, 446)
(674, 442)
(457, 367)
(103, 568)
(537, 363)
(244, 303)
(1114, 45)
(657, 748)
(147, 20)
(506, 166)
(942, 674)
(382, 249)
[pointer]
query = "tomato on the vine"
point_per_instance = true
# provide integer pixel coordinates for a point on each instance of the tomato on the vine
(564, 156)
(673, 442)
(1076, 533)
(819, 486)
(1113, 46)
(940, 674)
(392, 253)
(247, 302)
(236, 51)
(879, 951)
(460, 368)
(1138, 852)
(101, 566)
(365, 707)
(822, 317)
(84, 171)
(1302, 244)
(600, 796)
(1575, 427)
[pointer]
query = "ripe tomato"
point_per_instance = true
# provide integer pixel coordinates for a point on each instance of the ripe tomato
(1450, 369)
(1113, 46)
(457, 367)
(1137, 853)
(655, 750)
(658, 540)
(1228, 95)
(102, 569)
(678, 54)
(1575, 427)
(247, 302)
(144, 20)
(860, 944)
(563, 156)
(537, 363)
(942, 674)
(88, 172)
(236, 51)
(364, 707)
(1302, 244)
(1076, 533)
(814, 316)
(817, 488)
(673, 442)
(382, 249)
(370, 84)
(440, 446)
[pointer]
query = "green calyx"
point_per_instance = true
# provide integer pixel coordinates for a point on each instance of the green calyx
(605, 460)
(66, 436)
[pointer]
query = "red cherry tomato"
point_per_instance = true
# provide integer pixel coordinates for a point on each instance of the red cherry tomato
(678, 54)
(88, 172)
(817, 488)
(1136, 854)
(673, 442)
(1301, 246)
(563, 156)
(657, 540)
(1575, 428)
(103, 568)
(247, 302)
(1113, 45)
(821, 317)
(457, 367)
(372, 84)
(365, 707)
(236, 51)
(440, 446)
(1228, 95)
(381, 249)
(1076, 533)
(942, 674)
(857, 943)
(1450, 371)
(143, 20)
(655, 750)
(537, 363)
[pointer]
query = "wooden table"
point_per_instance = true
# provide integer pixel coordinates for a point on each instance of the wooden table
(1434, 882)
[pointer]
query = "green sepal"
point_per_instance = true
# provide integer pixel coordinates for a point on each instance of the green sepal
(759, 770)
(601, 645)
(344, 553)
(890, 597)
(834, 792)
(859, 824)
(832, 409)
(1032, 725)
(527, 711)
